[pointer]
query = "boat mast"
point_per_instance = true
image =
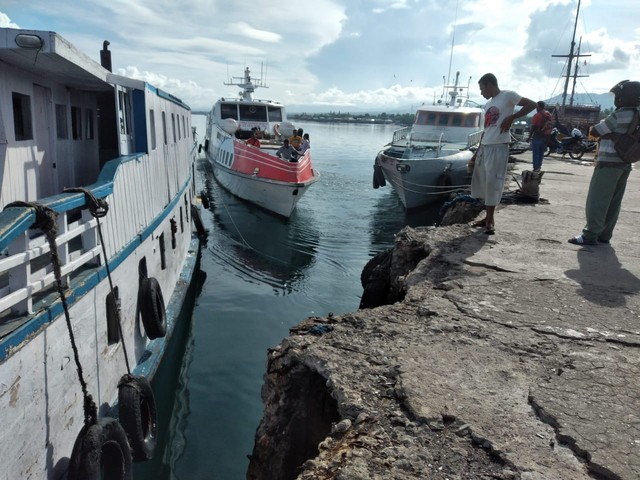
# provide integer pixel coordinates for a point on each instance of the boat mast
(247, 84)
(571, 56)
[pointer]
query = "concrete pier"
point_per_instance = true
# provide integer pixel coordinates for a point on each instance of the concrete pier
(515, 355)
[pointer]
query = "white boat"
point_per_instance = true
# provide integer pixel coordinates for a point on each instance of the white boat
(97, 256)
(427, 162)
(252, 173)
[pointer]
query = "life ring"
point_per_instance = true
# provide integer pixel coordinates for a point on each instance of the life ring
(276, 130)
(101, 451)
(138, 415)
(197, 222)
(152, 310)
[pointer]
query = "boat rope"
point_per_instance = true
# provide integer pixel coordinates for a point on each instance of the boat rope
(442, 189)
(98, 207)
(46, 220)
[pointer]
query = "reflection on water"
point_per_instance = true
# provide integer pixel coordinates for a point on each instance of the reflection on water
(257, 245)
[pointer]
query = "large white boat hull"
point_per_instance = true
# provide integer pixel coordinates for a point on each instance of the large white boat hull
(278, 197)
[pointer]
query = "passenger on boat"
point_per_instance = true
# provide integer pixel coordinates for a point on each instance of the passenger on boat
(287, 152)
(295, 140)
(253, 141)
(306, 145)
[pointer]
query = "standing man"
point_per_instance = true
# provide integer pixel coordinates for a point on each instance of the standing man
(610, 175)
(492, 157)
(541, 126)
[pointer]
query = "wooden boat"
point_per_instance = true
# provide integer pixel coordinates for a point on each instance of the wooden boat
(256, 174)
(427, 162)
(97, 254)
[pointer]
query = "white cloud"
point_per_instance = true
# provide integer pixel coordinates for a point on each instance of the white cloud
(344, 52)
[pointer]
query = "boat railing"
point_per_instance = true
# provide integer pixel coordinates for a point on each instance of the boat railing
(401, 134)
(474, 139)
(26, 274)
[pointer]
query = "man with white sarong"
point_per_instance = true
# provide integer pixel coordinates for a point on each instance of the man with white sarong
(490, 161)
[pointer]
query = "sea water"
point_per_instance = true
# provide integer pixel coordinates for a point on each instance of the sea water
(264, 275)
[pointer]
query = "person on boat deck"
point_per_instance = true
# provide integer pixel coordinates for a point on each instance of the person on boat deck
(610, 175)
(539, 138)
(306, 144)
(253, 140)
(295, 140)
(287, 152)
(490, 160)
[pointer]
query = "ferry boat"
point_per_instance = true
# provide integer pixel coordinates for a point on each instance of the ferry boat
(426, 162)
(97, 256)
(256, 173)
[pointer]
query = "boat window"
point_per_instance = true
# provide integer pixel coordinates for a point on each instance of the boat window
(152, 127)
(173, 125)
(229, 110)
(254, 113)
(456, 120)
(164, 126)
(88, 117)
(275, 114)
(62, 128)
(22, 116)
(163, 257)
(123, 112)
(472, 120)
(443, 119)
(113, 333)
(76, 123)
(184, 127)
(431, 118)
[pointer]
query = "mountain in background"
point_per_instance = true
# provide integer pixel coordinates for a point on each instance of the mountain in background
(605, 100)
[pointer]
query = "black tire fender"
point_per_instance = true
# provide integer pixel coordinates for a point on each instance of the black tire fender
(152, 309)
(197, 221)
(138, 415)
(101, 451)
(444, 184)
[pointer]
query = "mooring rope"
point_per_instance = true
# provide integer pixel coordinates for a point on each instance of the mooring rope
(98, 207)
(46, 220)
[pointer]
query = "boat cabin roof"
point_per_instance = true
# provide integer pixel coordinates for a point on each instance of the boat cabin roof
(47, 54)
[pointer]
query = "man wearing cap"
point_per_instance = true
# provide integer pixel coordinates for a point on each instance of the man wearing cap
(609, 179)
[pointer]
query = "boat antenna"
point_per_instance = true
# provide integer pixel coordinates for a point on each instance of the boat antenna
(453, 41)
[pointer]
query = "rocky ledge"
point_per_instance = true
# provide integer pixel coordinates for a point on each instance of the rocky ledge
(512, 356)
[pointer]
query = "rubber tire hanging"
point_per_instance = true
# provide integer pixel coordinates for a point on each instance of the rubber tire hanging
(101, 451)
(138, 415)
(152, 309)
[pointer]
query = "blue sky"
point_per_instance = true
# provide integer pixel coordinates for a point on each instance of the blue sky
(346, 55)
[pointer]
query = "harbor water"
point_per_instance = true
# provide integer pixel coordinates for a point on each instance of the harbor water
(264, 275)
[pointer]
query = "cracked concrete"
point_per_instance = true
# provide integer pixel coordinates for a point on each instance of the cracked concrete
(511, 356)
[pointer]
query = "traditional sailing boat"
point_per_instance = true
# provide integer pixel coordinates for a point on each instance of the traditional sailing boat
(571, 115)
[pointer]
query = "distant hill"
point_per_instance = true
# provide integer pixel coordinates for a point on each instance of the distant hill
(605, 100)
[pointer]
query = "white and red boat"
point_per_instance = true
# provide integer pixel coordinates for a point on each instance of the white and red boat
(252, 173)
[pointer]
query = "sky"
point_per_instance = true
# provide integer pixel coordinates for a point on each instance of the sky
(347, 55)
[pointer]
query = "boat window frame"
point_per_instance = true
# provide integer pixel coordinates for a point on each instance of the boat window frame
(252, 113)
(76, 122)
(274, 109)
(62, 121)
(152, 128)
(22, 117)
(226, 110)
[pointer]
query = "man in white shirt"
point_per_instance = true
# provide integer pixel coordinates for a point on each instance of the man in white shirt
(491, 159)
(287, 152)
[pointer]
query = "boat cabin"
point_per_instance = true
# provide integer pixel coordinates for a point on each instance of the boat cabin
(250, 114)
(453, 125)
